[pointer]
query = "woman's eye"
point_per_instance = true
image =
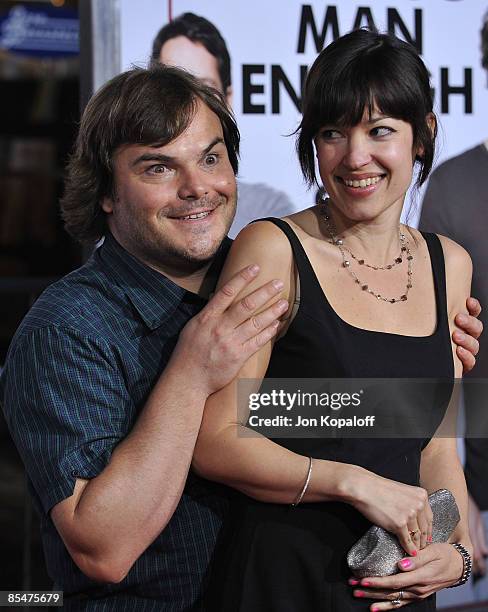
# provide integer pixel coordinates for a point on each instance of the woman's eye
(330, 134)
(382, 131)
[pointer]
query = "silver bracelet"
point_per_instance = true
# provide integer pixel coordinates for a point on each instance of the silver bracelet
(305, 486)
(467, 565)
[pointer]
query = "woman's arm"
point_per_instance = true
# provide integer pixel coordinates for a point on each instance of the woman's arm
(438, 565)
(225, 451)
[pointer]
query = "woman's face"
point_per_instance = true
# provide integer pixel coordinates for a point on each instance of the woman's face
(367, 168)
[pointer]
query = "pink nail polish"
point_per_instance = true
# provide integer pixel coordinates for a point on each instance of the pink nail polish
(406, 563)
(429, 539)
(413, 553)
(359, 593)
(353, 581)
(375, 609)
(365, 583)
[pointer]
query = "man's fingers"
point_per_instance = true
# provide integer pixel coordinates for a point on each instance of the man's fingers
(257, 323)
(468, 345)
(470, 325)
(224, 297)
(244, 309)
(467, 342)
(254, 343)
(473, 306)
(466, 358)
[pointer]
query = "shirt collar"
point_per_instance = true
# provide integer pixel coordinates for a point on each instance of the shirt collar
(153, 295)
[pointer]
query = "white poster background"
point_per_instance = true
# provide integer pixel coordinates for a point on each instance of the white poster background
(266, 33)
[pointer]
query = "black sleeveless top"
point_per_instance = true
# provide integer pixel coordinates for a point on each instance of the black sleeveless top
(273, 558)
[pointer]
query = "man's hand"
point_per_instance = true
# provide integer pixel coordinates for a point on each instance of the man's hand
(216, 343)
(468, 345)
(111, 519)
(478, 537)
(435, 567)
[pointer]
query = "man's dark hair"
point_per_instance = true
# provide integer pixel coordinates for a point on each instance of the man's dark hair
(141, 106)
(359, 72)
(198, 30)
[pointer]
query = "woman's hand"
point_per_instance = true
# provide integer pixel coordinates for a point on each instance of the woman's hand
(435, 567)
(399, 508)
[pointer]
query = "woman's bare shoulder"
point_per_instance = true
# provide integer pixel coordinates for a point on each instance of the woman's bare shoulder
(455, 256)
(264, 244)
(262, 239)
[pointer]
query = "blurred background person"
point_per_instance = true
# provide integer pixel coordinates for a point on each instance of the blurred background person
(195, 44)
(456, 205)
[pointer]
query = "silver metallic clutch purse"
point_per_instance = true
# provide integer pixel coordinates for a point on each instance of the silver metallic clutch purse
(378, 551)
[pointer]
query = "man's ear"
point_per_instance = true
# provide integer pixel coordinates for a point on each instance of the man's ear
(107, 205)
(432, 125)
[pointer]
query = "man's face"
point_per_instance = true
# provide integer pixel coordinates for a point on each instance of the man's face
(174, 204)
(194, 58)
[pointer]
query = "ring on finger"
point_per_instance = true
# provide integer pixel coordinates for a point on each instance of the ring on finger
(397, 600)
(414, 533)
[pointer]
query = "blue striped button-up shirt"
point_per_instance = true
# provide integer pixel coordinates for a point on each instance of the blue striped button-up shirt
(78, 372)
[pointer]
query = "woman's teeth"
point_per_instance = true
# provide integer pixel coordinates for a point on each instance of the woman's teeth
(363, 182)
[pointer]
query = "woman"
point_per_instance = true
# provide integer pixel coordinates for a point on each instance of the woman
(369, 298)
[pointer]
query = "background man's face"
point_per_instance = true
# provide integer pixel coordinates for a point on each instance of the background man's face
(174, 204)
(194, 58)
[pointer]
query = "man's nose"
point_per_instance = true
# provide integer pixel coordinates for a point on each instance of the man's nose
(192, 185)
(358, 152)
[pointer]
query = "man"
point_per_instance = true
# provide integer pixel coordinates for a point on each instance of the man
(456, 205)
(194, 43)
(102, 399)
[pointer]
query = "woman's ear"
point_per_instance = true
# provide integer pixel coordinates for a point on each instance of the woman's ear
(431, 122)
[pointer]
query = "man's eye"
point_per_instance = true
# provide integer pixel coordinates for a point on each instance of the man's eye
(211, 159)
(157, 169)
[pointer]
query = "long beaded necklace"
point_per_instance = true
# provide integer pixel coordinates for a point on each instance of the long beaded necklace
(404, 249)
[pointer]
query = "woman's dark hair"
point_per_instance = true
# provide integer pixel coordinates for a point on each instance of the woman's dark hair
(364, 70)
(141, 106)
(484, 42)
(198, 30)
